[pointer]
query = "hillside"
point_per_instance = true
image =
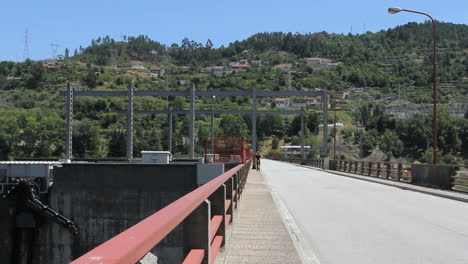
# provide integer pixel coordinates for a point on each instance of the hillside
(390, 68)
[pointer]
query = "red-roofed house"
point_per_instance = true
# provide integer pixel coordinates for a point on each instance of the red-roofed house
(283, 66)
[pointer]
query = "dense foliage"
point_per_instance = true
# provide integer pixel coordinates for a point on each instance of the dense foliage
(389, 63)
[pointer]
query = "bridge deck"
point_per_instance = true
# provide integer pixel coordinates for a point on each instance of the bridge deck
(346, 220)
(259, 234)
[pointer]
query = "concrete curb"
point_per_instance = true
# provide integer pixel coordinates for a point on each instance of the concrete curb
(405, 186)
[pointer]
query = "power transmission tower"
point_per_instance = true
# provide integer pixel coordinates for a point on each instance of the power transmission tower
(167, 79)
(54, 47)
(26, 45)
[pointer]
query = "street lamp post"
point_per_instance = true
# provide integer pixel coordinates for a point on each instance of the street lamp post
(394, 10)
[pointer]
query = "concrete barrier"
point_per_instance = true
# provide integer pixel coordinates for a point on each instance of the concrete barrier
(433, 176)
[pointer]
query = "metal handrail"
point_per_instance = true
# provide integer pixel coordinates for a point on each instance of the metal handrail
(134, 243)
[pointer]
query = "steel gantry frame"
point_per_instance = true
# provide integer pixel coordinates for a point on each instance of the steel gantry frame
(69, 132)
(192, 94)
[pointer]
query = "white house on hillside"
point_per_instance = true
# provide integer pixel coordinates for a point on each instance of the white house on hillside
(282, 102)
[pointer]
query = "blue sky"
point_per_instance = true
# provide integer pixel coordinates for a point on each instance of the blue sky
(74, 23)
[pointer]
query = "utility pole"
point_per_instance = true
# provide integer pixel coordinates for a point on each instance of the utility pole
(170, 130)
(254, 120)
(302, 135)
(334, 128)
(167, 83)
(130, 96)
(192, 122)
(325, 121)
(212, 128)
(167, 87)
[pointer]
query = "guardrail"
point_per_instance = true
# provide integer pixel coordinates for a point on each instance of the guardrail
(204, 212)
(441, 176)
(386, 170)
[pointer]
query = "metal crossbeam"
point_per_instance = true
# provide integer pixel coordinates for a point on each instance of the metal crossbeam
(216, 112)
(198, 93)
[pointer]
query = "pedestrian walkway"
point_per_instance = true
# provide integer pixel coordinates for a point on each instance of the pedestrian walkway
(259, 234)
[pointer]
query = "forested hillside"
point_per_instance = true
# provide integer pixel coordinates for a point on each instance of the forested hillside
(391, 67)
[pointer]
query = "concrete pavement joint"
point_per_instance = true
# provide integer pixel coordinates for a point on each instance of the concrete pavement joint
(306, 254)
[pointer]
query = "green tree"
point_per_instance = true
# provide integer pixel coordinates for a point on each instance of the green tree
(416, 133)
(390, 143)
(117, 144)
(369, 142)
(154, 140)
(233, 126)
(90, 79)
(5, 148)
(86, 139)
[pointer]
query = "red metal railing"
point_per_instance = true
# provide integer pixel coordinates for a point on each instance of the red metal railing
(134, 243)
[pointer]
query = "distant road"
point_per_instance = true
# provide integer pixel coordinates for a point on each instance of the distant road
(349, 221)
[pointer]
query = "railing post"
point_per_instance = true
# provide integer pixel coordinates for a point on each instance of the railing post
(197, 231)
(239, 185)
(218, 207)
(241, 180)
(356, 167)
(362, 167)
(400, 171)
(350, 167)
(389, 170)
(379, 169)
(369, 172)
(229, 189)
(236, 189)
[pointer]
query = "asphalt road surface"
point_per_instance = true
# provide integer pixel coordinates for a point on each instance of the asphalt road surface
(340, 220)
